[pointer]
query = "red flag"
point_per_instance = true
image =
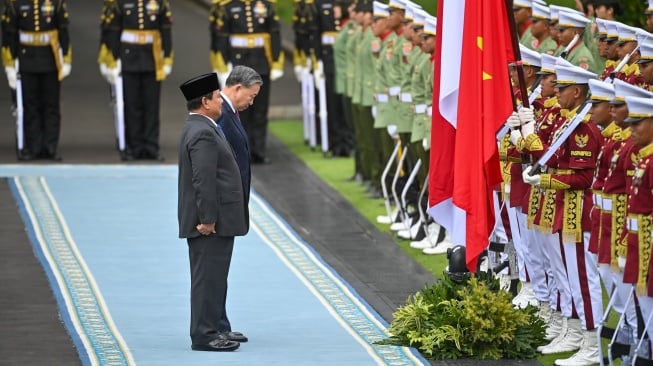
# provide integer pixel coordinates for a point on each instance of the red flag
(483, 104)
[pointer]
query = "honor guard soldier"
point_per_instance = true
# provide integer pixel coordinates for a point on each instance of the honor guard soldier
(305, 27)
(136, 56)
(571, 24)
(645, 62)
(570, 175)
(541, 40)
(328, 21)
(246, 32)
(638, 229)
(649, 15)
(626, 44)
(523, 11)
(37, 55)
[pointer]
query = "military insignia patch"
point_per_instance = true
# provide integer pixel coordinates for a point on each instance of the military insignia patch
(152, 8)
(376, 46)
(407, 48)
(581, 140)
(260, 11)
(47, 9)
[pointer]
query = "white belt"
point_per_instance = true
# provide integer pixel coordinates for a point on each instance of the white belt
(606, 204)
(328, 39)
(597, 199)
(30, 38)
(631, 223)
(406, 97)
(382, 98)
(420, 108)
(394, 90)
(429, 111)
(139, 38)
(247, 42)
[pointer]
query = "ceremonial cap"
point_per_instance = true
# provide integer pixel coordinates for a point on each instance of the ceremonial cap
(548, 63)
(419, 17)
(645, 42)
(649, 8)
(540, 11)
(200, 85)
(520, 4)
(572, 75)
(529, 57)
(380, 10)
(570, 19)
(430, 24)
(612, 29)
(626, 33)
(639, 108)
(600, 91)
(397, 5)
(602, 31)
(411, 8)
(622, 90)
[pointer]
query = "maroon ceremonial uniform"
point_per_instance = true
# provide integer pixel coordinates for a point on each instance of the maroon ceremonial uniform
(638, 223)
(613, 201)
(609, 68)
(602, 168)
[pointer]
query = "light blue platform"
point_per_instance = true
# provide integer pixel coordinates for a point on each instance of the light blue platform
(107, 237)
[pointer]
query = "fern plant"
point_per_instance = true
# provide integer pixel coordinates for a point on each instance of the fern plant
(473, 319)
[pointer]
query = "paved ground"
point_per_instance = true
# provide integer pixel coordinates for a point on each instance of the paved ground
(369, 260)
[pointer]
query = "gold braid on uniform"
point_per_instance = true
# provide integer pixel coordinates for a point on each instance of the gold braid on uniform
(548, 210)
(533, 143)
(533, 206)
(548, 182)
(644, 245)
(572, 230)
(618, 221)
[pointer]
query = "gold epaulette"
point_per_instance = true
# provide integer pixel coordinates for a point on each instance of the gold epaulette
(7, 58)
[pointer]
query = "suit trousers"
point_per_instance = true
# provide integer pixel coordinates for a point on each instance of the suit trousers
(142, 94)
(210, 258)
(41, 113)
(255, 119)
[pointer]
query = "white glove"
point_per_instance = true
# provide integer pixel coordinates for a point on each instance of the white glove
(533, 180)
(621, 261)
(11, 76)
(222, 78)
(513, 121)
(392, 131)
(515, 135)
(114, 73)
(167, 69)
(373, 111)
(104, 71)
(299, 70)
(276, 74)
(526, 115)
(426, 143)
(318, 74)
(66, 68)
(527, 129)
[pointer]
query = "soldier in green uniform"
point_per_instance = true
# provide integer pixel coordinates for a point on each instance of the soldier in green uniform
(541, 41)
(136, 43)
(570, 24)
(388, 80)
(36, 46)
(347, 27)
(246, 32)
(522, 10)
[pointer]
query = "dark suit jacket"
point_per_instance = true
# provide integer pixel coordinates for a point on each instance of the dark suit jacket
(209, 187)
(235, 132)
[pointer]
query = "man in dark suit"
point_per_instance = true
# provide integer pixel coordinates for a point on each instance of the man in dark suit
(211, 211)
(245, 32)
(241, 87)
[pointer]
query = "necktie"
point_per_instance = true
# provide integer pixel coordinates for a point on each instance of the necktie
(237, 115)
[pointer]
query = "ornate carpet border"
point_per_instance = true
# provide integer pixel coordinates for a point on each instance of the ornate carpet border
(82, 307)
(347, 307)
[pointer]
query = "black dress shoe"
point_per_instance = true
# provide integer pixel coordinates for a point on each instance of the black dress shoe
(126, 156)
(220, 344)
(258, 159)
(25, 156)
(235, 336)
(55, 157)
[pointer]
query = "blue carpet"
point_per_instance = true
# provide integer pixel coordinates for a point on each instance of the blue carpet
(107, 238)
